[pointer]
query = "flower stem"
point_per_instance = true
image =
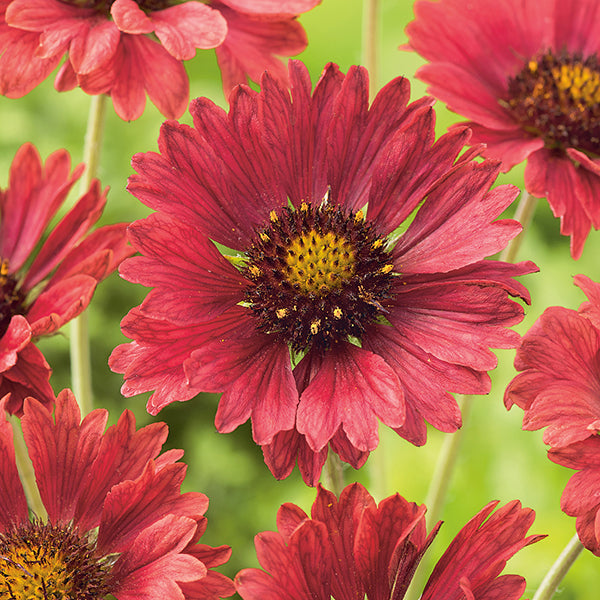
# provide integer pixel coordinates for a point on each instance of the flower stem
(559, 569)
(334, 473)
(438, 488)
(370, 41)
(523, 214)
(81, 372)
(26, 472)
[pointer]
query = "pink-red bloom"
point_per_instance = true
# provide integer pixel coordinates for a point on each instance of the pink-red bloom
(559, 388)
(42, 287)
(328, 313)
(353, 548)
(117, 522)
(130, 48)
(527, 75)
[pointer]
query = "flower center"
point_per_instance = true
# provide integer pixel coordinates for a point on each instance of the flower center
(318, 263)
(11, 299)
(318, 276)
(46, 562)
(558, 98)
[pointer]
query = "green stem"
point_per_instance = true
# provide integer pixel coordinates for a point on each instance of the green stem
(26, 472)
(334, 473)
(444, 469)
(438, 489)
(523, 214)
(81, 372)
(370, 42)
(559, 569)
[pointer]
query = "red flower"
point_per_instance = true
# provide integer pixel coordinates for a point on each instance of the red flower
(257, 32)
(42, 289)
(353, 548)
(559, 388)
(130, 48)
(527, 75)
(117, 522)
(311, 192)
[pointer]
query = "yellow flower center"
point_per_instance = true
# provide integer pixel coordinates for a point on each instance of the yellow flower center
(318, 263)
(318, 275)
(40, 561)
(29, 572)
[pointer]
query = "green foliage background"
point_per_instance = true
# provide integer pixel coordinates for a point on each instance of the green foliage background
(498, 460)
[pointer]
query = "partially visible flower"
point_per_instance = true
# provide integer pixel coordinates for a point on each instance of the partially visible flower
(257, 33)
(130, 48)
(42, 287)
(559, 388)
(351, 548)
(333, 314)
(117, 522)
(527, 75)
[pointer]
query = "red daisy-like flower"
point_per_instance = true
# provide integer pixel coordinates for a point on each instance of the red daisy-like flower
(353, 548)
(43, 288)
(527, 75)
(559, 388)
(117, 522)
(130, 48)
(332, 313)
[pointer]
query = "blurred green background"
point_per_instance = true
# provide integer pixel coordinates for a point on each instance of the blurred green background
(497, 461)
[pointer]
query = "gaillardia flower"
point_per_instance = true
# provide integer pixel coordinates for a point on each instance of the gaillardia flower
(559, 388)
(352, 548)
(116, 523)
(42, 287)
(527, 75)
(130, 48)
(328, 312)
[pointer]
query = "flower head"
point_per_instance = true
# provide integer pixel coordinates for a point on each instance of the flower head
(130, 48)
(537, 99)
(42, 288)
(117, 522)
(328, 313)
(352, 548)
(559, 388)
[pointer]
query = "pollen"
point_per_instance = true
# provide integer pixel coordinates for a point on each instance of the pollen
(318, 275)
(557, 97)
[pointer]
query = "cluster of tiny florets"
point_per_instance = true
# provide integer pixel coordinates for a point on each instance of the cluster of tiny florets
(557, 97)
(317, 275)
(50, 562)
